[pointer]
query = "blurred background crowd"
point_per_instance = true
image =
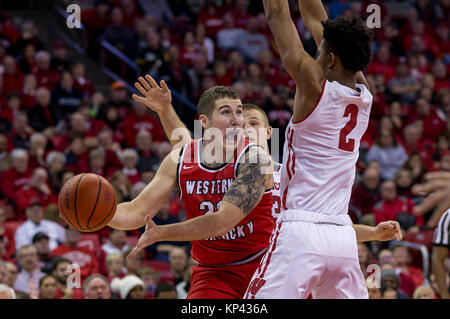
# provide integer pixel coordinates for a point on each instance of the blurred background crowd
(58, 118)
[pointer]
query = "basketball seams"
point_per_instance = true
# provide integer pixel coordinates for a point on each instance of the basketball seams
(96, 201)
(75, 201)
(107, 216)
(67, 219)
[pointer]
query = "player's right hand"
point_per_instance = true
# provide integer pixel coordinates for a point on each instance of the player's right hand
(157, 98)
(147, 238)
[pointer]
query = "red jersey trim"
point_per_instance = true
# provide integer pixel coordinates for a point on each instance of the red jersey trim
(320, 98)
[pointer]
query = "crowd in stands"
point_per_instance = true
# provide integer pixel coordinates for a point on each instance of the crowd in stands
(55, 123)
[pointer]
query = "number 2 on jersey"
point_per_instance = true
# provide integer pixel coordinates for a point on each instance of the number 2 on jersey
(349, 145)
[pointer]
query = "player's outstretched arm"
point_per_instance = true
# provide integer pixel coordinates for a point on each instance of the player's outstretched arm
(304, 70)
(159, 99)
(131, 215)
(254, 176)
(437, 187)
(383, 232)
(438, 256)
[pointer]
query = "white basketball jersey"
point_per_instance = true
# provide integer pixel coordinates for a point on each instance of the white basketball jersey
(321, 151)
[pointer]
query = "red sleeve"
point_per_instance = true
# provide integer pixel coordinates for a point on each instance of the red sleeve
(6, 184)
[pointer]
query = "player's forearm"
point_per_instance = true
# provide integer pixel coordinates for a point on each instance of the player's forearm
(364, 233)
(127, 217)
(174, 128)
(312, 11)
(202, 227)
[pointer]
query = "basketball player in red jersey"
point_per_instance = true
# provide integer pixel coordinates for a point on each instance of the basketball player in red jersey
(229, 195)
(331, 113)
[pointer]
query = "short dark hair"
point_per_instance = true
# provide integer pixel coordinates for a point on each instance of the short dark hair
(350, 39)
(59, 260)
(41, 281)
(163, 287)
(208, 99)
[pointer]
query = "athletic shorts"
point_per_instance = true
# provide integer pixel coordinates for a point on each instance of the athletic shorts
(223, 282)
(310, 253)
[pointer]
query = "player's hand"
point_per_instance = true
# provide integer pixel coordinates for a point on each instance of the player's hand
(437, 187)
(157, 98)
(388, 230)
(147, 238)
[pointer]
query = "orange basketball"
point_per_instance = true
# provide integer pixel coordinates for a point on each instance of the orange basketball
(87, 202)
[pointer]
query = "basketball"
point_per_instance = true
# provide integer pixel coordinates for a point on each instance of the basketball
(87, 202)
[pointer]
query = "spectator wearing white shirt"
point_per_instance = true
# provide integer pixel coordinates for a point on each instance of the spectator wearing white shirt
(35, 223)
(252, 42)
(228, 37)
(28, 279)
(117, 243)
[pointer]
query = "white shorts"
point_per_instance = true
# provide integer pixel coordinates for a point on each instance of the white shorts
(310, 253)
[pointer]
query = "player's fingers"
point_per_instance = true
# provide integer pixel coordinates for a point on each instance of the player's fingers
(429, 202)
(398, 230)
(151, 81)
(164, 86)
(435, 175)
(138, 86)
(138, 99)
(144, 83)
(430, 186)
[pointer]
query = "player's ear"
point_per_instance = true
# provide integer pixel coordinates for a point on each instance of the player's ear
(269, 132)
(204, 120)
(332, 60)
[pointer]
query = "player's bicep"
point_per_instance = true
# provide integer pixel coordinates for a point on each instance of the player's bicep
(253, 178)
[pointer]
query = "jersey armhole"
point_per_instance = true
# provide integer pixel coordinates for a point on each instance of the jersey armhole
(238, 159)
(179, 166)
(314, 108)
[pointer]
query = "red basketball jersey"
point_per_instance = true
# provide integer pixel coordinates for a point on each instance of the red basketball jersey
(202, 191)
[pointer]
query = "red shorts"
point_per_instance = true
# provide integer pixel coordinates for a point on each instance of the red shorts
(227, 282)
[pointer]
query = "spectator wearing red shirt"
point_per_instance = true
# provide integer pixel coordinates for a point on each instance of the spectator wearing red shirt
(129, 159)
(441, 79)
(81, 256)
(443, 39)
(96, 20)
(84, 85)
(12, 77)
(418, 31)
(130, 13)
(221, 74)
(139, 118)
(61, 273)
(210, 16)
(37, 188)
(240, 13)
(76, 157)
(28, 99)
(18, 175)
(111, 147)
(383, 63)
(402, 260)
(365, 194)
(414, 142)
(433, 125)
(188, 50)
(7, 247)
(391, 205)
(44, 75)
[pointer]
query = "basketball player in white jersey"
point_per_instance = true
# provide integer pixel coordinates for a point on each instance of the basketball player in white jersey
(314, 246)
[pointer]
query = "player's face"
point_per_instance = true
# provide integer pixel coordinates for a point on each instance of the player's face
(255, 128)
(227, 119)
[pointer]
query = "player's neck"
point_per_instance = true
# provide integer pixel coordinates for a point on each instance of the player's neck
(343, 77)
(213, 161)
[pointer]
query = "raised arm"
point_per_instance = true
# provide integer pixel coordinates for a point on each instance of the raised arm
(313, 14)
(304, 70)
(131, 215)
(159, 99)
(254, 177)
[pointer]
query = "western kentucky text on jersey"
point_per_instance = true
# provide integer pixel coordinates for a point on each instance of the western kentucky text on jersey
(219, 186)
(202, 190)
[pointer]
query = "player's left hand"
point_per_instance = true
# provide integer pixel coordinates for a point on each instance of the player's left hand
(147, 238)
(388, 230)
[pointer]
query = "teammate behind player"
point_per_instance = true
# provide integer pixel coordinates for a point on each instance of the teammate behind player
(331, 113)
